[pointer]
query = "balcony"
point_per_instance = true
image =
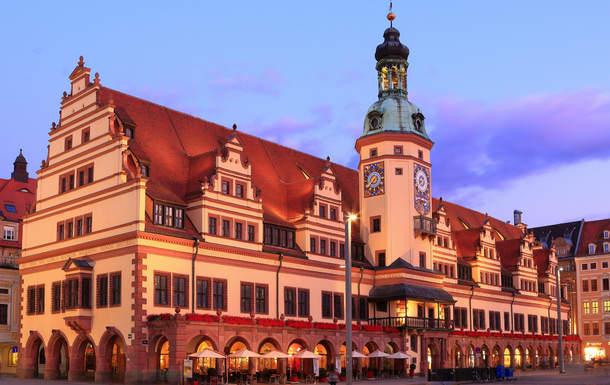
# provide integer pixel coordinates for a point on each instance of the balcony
(413, 323)
(424, 225)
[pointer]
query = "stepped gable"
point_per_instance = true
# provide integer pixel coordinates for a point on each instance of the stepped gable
(175, 142)
(593, 232)
(541, 258)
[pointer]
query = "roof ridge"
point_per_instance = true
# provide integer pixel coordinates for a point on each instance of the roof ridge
(202, 153)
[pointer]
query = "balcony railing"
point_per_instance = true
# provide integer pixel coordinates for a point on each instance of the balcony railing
(413, 323)
(424, 225)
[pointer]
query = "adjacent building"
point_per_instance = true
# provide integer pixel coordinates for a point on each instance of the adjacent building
(156, 234)
(16, 195)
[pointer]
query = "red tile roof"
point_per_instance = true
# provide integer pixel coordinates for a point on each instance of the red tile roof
(541, 257)
(593, 232)
(467, 242)
(509, 252)
(19, 194)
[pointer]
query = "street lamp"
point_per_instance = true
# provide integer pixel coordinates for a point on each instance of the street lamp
(348, 297)
(559, 323)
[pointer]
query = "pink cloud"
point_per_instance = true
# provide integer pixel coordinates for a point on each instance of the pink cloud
(491, 146)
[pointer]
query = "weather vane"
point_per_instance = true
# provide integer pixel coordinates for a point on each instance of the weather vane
(391, 16)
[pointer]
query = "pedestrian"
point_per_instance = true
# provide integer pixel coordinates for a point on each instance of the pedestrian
(333, 376)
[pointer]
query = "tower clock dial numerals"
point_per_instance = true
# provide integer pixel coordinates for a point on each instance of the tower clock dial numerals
(374, 180)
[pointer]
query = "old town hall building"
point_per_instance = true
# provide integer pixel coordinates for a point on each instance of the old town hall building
(156, 234)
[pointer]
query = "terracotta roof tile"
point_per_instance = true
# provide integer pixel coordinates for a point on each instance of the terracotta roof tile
(509, 252)
(541, 257)
(593, 232)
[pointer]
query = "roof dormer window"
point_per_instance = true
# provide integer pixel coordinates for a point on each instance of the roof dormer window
(591, 249)
(606, 234)
(10, 208)
(170, 216)
(129, 132)
(145, 171)
(606, 247)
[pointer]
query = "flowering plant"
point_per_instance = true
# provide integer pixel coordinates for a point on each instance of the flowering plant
(354, 327)
(326, 325)
(237, 320)
(162, 316)
(299, 324)
(202, 317)
(372, 328)
(391, 329)
(274, 322)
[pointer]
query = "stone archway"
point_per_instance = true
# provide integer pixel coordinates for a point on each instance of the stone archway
(28, 359)
(485, 359)
(58, 357)
(199, 343)
(508, 357)
(369, 348)
(111, 362)
(294, 347)
(457, 356)
(270, 365)
(433, 356)
(82, 358)
(496, 354)
(326, 349)
(238, 366)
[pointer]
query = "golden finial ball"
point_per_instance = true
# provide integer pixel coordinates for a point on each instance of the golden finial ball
(391, 16)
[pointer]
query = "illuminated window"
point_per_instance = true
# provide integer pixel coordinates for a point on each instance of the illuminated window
(12, 359)
(586, 309)
(606, 306)
(594, 307)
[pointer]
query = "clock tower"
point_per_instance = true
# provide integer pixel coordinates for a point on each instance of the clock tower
(395, 168)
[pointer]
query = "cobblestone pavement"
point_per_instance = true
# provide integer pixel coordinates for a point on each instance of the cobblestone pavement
(575, 375)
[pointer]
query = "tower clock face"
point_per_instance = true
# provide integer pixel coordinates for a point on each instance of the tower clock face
(421, 184)
(374, 180)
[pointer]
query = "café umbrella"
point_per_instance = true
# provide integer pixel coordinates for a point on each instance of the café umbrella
(207, 353)
(356, 354)
(399, 355)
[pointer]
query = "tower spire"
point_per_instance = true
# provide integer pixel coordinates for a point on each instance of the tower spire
(391, 16)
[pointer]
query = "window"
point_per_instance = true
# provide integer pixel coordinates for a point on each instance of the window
(587, 329)
(422, 260)
(71, 293)
(312, 245)
(414, 342)
(595, 329)
(326, 309)
(238, 227)
(398, 150)
(225, 187)
(333, 249)
(507, 321)
(145, 171)
(203, 293)
(341, 250)
(68, 143)
(71, 181)
(594, 285)
(606, 327)
(89, 174)
(79, 227)
(102, 290)
(420, 154)
(382, 306)
(606, 249)
(363, 309)
(85, 293)
(494, 320)
(10, 208)
(40, 300)
(303, 303)
(381, 259)
(606, 234)
(251, 234)
(86, 135)
(584, 266)
(3, 314)
(593, 266)
(212, 226)
(323, 247)
(373, 152)
(219, 295)
(594, 307)
(585, 285)
(239, 190)
(180, 291)
(338, 305)
(81, 177)
(88, 224)
(246, 298)
(70, 229)
(376, 224)
(226, 231)
(162, 290)
(333, 214)
(322, 211)
(60, 232)
(586, 309)
(56, 293)
(398, 171)
(169, 216)
(606, 306)
(289, 302)
(31, 300)
(261, 299)
(591, 249)
(129, 132)
(9, 233)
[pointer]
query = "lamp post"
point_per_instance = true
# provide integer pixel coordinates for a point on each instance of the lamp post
(348, 297)
(559, 323)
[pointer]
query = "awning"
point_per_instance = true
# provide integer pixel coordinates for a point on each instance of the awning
(408, 291)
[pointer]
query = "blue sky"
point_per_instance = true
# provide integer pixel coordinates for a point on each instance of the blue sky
(516, 94)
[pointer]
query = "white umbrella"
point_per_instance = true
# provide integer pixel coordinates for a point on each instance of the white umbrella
(377, 354)
(399, 355)
(207, 353)
(356, 354)
(244, 353)
(275, 354)
(306, 354)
